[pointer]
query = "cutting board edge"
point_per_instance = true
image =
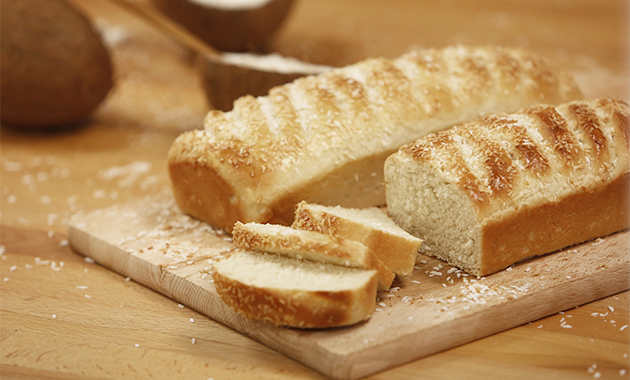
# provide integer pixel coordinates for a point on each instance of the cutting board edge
(374, 356)
(344, 364)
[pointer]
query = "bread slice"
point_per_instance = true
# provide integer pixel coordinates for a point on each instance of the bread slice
(310, 245)
(296, 293)
(325, 138)
(371, 226)
(487, 194)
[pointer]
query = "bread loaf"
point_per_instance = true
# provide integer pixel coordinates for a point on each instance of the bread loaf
(324, 138)
(310, 245)
(371, 226)
(487, 194)
(296, 293)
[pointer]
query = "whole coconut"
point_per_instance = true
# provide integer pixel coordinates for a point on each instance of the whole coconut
(55, 69)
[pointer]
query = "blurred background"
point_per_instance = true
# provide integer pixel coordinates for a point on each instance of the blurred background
(157, 87)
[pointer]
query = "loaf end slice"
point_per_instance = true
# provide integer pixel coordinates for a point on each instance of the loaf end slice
(371, 226)
(296, 293)
(310, 245)
(485, 195)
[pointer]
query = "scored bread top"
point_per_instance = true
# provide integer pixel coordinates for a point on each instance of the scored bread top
(539, 154)
(268, 150)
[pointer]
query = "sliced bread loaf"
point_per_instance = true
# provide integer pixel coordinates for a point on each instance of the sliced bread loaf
(292, 292)
(371, 226)
(324, 138)
(310, 245)
(487, 194)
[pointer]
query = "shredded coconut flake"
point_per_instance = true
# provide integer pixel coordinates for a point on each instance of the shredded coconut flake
(598, 241)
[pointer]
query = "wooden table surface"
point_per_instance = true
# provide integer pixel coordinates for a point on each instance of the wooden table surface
(65, 317)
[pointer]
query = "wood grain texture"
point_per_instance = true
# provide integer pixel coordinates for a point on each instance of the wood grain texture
(436, 308)
(120, 156)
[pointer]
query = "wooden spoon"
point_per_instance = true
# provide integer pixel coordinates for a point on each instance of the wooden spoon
(228, 76)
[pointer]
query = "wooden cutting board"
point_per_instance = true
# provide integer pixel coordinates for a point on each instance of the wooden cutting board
(436, 308)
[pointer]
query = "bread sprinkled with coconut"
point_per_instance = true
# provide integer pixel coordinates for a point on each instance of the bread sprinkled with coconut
(371, 226)
(487, 194)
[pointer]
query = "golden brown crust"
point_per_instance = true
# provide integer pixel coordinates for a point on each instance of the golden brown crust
(256, 237)
(397, 253)
(536, 181)
(298, 308)
(505, 149)
(190, 177)
(552, 226)
(325, 138)
(360, 176)
(311, 245)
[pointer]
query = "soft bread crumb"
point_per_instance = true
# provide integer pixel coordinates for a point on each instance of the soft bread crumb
(292, 292)
(487, 194)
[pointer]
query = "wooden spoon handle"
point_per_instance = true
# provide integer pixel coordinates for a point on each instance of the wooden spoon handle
(171, 28)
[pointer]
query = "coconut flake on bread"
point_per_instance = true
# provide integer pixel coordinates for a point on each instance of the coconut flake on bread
(371, 226)
(310, 245)
(324, 138)
(487, 194)
(297, 293)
